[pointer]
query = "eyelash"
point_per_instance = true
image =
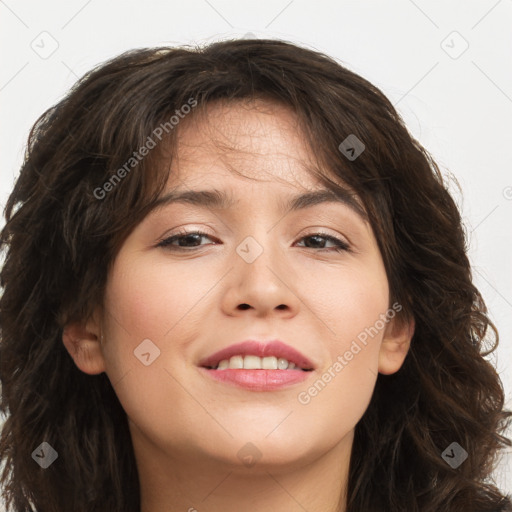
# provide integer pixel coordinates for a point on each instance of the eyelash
(341, 246)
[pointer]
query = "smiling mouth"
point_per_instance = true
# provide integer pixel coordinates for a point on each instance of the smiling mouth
(252, 362)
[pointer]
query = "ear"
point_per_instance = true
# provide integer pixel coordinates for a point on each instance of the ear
(395, 344)
(83, 342)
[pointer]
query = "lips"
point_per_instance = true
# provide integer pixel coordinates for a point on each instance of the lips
(273, 348)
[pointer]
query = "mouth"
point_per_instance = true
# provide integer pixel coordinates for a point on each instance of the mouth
(256, 355)
(252, 362)
(258, 366)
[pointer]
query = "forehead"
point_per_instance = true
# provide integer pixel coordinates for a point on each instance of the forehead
(258, 140)
(248, 149)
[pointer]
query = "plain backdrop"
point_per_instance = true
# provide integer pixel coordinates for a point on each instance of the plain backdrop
(444, 65)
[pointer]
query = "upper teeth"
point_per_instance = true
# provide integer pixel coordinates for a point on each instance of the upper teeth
(256, 363)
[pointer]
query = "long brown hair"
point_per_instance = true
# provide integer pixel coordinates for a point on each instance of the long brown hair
(64, 228)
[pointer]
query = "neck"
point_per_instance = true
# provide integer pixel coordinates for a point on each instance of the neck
(190, 482)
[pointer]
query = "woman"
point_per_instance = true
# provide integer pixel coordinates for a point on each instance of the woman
(323, 350)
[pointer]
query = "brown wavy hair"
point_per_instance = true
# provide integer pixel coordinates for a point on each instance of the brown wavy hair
(60, 240)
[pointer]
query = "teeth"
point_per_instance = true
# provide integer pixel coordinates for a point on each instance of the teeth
(256, 363)
(252, 363)
(269, 363)
(282, 364)
(236, 362)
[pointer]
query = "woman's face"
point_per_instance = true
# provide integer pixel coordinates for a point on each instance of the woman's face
(262, 272)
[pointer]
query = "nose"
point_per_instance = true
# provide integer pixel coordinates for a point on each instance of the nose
(260, 281)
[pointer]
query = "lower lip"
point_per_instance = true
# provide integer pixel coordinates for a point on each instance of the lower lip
(259, 380)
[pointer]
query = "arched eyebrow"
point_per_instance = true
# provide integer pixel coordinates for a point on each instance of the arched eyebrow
(221, 200)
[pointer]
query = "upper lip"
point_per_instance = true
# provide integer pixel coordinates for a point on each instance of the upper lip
(271, 348)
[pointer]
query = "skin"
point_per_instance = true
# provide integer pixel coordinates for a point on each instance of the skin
(187, 429)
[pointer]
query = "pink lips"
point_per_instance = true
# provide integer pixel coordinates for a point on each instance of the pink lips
(258, 380)
(274, 348)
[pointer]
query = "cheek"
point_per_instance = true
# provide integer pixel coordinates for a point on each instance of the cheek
(350, 302)
(149, 300)
(155, 301)
(351, 305)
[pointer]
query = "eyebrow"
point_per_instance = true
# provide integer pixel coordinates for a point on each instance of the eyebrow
(219, 199)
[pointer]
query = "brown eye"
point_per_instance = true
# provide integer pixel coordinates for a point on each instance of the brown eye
(317, 238)
(189, 239)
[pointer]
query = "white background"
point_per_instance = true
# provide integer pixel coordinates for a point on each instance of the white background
(456, 101)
